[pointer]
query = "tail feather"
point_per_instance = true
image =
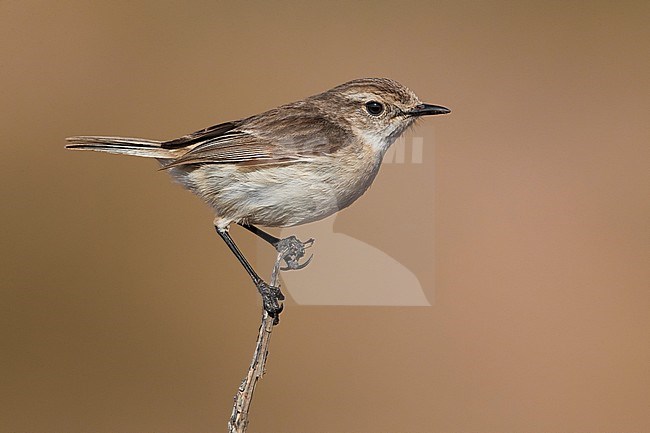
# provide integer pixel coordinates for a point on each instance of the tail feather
(120, 145)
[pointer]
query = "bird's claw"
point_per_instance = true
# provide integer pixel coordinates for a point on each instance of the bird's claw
(294, 266)
(292, 250)
(271, 297)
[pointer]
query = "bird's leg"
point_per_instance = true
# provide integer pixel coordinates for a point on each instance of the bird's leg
(291, 247)
(271, 296)
(268, 237)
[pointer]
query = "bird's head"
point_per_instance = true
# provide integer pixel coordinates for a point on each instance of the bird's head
(378, 110)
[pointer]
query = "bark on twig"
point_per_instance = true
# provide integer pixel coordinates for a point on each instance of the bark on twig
(239, 417)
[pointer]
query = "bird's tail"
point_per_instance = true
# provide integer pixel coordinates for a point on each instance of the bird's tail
(121, 145)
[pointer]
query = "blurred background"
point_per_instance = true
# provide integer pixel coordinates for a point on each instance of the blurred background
(526, 224)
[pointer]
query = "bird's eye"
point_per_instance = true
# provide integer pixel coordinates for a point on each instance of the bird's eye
(374, 108)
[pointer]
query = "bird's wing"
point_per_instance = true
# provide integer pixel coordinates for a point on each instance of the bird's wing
(262, 139)
(207, 134)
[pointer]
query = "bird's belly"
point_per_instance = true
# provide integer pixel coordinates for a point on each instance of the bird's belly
(278, 195)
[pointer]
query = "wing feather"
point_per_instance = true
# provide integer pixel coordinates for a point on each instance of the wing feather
(277, 136)
(212, 132)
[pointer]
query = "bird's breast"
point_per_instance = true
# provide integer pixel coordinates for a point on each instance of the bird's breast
(283, 195)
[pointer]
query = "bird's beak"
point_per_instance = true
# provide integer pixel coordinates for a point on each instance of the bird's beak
(428, 110)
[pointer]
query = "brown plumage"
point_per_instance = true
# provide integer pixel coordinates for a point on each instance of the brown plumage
(293, 164)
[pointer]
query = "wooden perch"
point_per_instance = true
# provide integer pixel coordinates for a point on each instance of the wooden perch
(239, 417)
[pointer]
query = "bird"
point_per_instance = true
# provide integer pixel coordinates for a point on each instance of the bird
(290, 165)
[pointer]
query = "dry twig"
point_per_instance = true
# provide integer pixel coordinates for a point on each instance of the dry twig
(239, 417)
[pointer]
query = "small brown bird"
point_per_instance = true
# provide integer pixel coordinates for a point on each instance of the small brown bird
(291, 165)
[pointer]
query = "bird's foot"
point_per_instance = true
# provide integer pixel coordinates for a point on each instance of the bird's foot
(292, 250)
(271, 297)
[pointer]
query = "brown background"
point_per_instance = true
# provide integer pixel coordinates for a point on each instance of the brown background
(121, 311)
